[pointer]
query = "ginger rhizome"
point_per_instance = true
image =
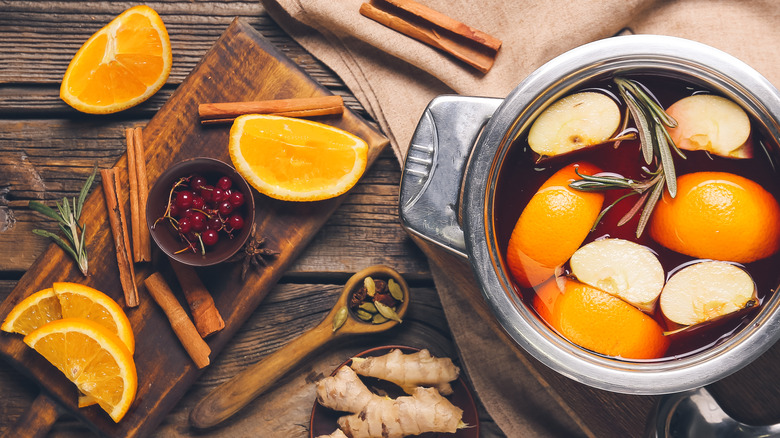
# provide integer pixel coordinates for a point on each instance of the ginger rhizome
(375, 416)
(409, 370)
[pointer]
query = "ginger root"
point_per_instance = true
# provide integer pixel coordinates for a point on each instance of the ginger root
(374, 416)
(344, 391)
(336, 434)
(409, 370)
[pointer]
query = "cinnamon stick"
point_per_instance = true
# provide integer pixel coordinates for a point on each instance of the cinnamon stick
(224, 112)
(136, 175)
(118, 222)
(412, 19)
(188, 335)
(143, 195)
(204, 311)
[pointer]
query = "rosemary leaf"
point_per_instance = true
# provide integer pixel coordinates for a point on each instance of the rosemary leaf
(673, 145)
(667, 163)
(84, 192)
(634, 209)
(57, 239)
(655, 195)
(645, 135)
(43, 209)
(608, 208)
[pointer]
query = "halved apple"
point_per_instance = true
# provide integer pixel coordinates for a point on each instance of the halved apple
(711, 123)
(622, 268)
(707, 290)
(574, 122)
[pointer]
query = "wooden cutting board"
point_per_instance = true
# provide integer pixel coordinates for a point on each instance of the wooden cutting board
(242, 65)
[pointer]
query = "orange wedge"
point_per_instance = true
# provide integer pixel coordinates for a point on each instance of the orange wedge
(32, 312)
(93, 358)
(121, 65)
(295, 159)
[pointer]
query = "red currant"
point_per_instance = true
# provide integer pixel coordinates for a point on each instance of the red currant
(225, 208)
(198, 221)
(185, 225)
(224, 183)
(237, 199)
(184, 199)
(175, 211)
(210, 237)
(197, 182)
(197, 202)
(218, 195)
(236, 221)
(214, 224)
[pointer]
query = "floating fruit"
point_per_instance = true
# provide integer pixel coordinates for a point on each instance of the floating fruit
(552, 226)
(574, 122)
(720, 216)
(121, 65)
(707, 290)
(295, 159)
(93, 358)
(622, 268)
(711, 123)
(603, 323)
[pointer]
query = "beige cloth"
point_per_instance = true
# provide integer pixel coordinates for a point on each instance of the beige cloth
(395, 77)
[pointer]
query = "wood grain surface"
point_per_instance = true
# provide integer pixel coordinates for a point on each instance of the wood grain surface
(48, 149)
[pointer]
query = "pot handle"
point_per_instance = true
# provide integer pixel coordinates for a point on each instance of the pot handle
(435, 165)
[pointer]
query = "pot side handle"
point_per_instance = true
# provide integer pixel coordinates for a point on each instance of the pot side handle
(435, 165)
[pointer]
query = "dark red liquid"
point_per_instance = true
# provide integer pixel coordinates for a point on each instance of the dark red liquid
(521, 177)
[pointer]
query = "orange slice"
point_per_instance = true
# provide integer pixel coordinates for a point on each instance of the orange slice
(295, 159)
(93, 358)
(69, 300)
(121, 65)
(32, 312)
(79, 301)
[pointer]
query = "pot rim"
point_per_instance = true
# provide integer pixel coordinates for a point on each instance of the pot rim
(655, 54)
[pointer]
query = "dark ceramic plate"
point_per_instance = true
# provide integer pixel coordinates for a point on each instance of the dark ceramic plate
(324, 421)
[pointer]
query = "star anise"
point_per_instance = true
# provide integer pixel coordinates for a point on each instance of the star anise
(253, 254)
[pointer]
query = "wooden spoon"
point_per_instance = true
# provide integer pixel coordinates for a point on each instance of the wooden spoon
(231, 396)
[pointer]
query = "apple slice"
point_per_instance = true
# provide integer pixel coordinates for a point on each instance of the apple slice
(713, 124)
(574, 122)
(705, 291)
(622, 268)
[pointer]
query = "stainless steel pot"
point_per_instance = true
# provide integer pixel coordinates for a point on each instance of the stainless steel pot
(456, 155)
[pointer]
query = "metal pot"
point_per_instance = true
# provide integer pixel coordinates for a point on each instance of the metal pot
(456, 155)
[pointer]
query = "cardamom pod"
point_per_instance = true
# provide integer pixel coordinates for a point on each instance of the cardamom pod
(368, 282)
(395, 290)
(339, 318)
(387, 311)
(368, 307)
(378, 319)
(362, 314)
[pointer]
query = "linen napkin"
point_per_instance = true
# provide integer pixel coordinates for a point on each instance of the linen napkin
(394, 77)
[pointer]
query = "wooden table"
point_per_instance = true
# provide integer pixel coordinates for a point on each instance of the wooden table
(47, 150)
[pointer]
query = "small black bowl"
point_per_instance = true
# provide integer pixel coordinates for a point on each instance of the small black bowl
(164, 234)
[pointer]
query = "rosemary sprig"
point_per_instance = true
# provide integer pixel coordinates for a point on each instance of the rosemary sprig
(657, 146)
(67, 215)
